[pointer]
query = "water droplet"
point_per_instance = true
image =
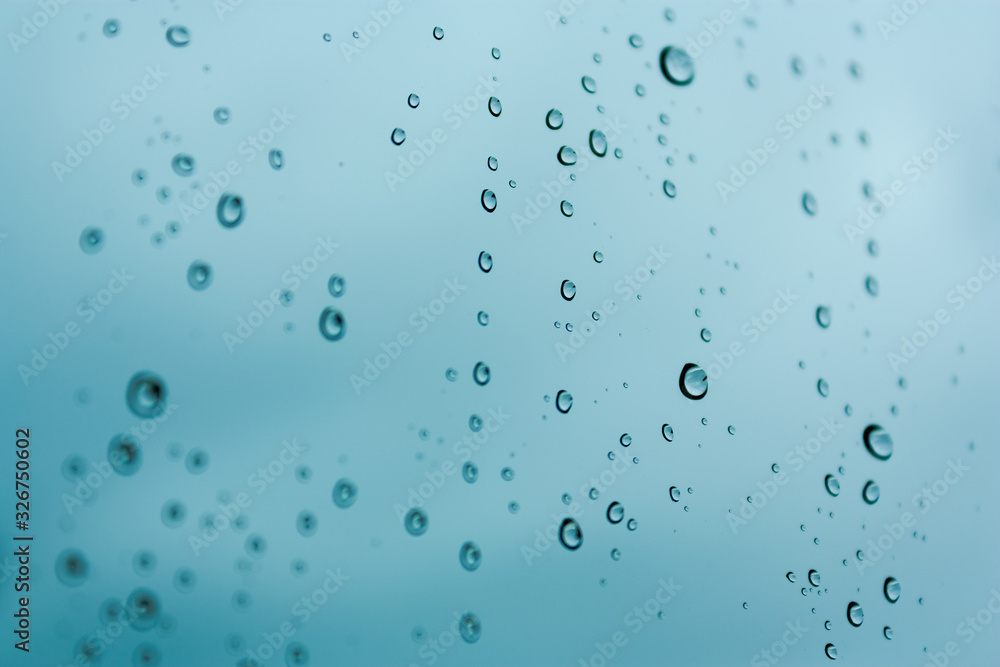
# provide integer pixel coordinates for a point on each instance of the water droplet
(438, 33)
(598, 256)
(72, 568)
(483, 317)
(451, 374)
(625, 440)
(589, 84)
(489, 200)
(568, 290)
(177, 35)
(752, 80)
(495, 53)
(677, 65)
(570, 534)
(470, 627)
(632, 524)
(693, 382)
(413, 100)
(878, 442)
(640, 90)
(494, 107)
(481, 374)
(670, 189)
(668, 432)
(145, 609)
(791, 577)
(470, 472)
(199, 275)
(813, 578)
(336, 286)
(111, 28)
(507, 474)
(485, 262)
(870, 492)
(327, 37)
(798, 66)
(332, 324)
(855, 615)
(470, 556)
(832, 485)
(182, 164)
(221, 115)
(823, 388)
(871, 285)
(230, 210)
(146, 395)
(306, 523)
(823, 316)
(566, 208)
(415, 522)
(706, 335)
(731, 429)
(564, 401)
(276, 159)
(566, 156)
(831, 651)
(554, 119)
(398, 136)
(345, 493)
(492, 163)
(675, 494)
(809, 203)
(891, 588)
(616, 512)
(475, 423)
(91, 240)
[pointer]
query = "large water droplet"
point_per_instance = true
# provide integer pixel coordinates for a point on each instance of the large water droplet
(345, 493)
(438, 33)
(554, 119)
(832, 485)
(831, 651)
(489, 200)
(813, 578)
(146, 395)
(855, 615)
(566, 156)
(398, 136)
(564, 401)
(494, 106)
(485, 262)
(413, 100)
(570, 534)
(878, 442)
(481, 374)
(693, 382)
(870, 492)
(589, 84)
(891, 588)
(823, 316)
(415, 522)
(675, 494)
(616, 512)
(230, 210)
(177, 35)
(470, 556)
(677, 65)
(670, 189)
(332, 324)
(567, 290)
(668, 432)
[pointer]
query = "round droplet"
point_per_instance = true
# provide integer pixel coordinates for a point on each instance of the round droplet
(182, 164)
(670, 189)
(632, 524)
(413, 100)
(398, 136)
(668, 432)
(625, 440)
(492, 163)
(823, 316)
(871, 285)
(813, 578)
(677, 65)
(481, 374)
(332, 325)
(438, 33)
(870, 493)
(791, 577)
(199, 275)
(145, 609)
(616, 512)
(570, 534)
(336, 286)
(221, 115)
(489, 200)
(887, 632)
(470, 627)
(470, 556)
(485, 262)
(675, 494)
(111, 28)
(507, 474)
(494, 107)
(276, 159)
(470, 473)
(564, 401)
(832, 485)
(475, 423)
(891, 589)
(823, 388)
(554, 119)
(451, 375)
(230, 210)
(567, 290)
(878, 442)
(831, 651)
(598, 256)
(566, 156)
(809, 203)
(589, 84)
(72, 568)
(566, 208)
(635, 41)
(177, 35)
(91, 240)
(483, 317)
(706, 335)
(693, 382)
(345, 493)
(146, 395)
(415, 522)
(495, 53)
(173, 513)
(196, 461)
(855, 615)
(306, 523)
(296, 655)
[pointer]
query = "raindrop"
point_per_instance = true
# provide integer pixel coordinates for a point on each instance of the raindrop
(677, 65)
(398, 136)
(598, 143)
(470, 556)
(481, 374)
(230, 210)
(332, 325)
(221, 115)
(451, 374)
(670, 189)
(438, 33)
(635, 41)
(306, 523)
(91, 240)
(494, 107)
(489, 200)
(492, 163)
(668, 432)
(566, 208)
(706, 335)
(616, 554)
(111, 27)
(568, 290)
(791, 577)
(199, 275)
(146, 395)
(831, 651)
(413, 100)
(554, 119)
(809, 203)
(693, 382)
(870, 493)
(345, 493)
(276, 159)
(566, 156)
(891, 589)
(470, 627)
(177, 35)
(616, 512)
(625, 440)
(483, 317)
(675, 494)
(495, 53)
(564, 401)
(598, 256)
(475, 423)
(589, 84)
(72, 568)
(485, 261)
(871, 285)
(632, 524)
(470, 473)
(878, 442)
(887, 632)
(415, 522)
(823, 388)
(855, 615)
(336, 286)
(823, 316)
(813, 578)
(832, 485)
(507, 474)
(182, 164)
(570, 534)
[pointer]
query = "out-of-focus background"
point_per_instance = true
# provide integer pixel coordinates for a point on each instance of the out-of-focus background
(398, 333)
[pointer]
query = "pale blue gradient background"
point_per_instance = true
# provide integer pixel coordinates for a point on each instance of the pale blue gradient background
(396, 250)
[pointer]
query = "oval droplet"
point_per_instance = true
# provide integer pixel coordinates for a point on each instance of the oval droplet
(146, 395)
(489, 200)
(485, 262)
(693, 382)
(570, 534)
(413, 100)
(809, 203)
(177, 35)
(398, 136)
(199, 275)
(554, 119)
(831, 651)
(855, 614)
(870, 493)
(470, 556)
(567, 290)
(675, 494)
(668, 432)
(616, 512)
(589, 84)
(877, 442)
(494, 107)
(470, 472)
(415, 522)
(470, 628)
(230, 210)
(677, 66)
(336, 286)
(823, 316)
(438, 33)
(182, 164)
(345, 493)
(276, 159)
(669, 189)
(91, 240)
(566, 156)
(891, 588)
(564, 401)
(332, 324)
(832, 485)
(481, 374)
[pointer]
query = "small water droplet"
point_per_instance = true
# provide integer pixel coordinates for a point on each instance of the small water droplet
(413, 100)
(891, 588)
(439, 33)
(481, 374)
(570, 534)
(398, 136)
(676, 65)
(230, 210)
(832, 485)
(877, 442)
(485, 262)
(809, 203)
(177, 35)
(567, 290)
(693, 382)
(554, 119)
(870, 493)
(564, 401)
(415, 522)
(470, 556)
(332, 325)
(670, 189)
(494, 106)
(589, 84)
(489, 200)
